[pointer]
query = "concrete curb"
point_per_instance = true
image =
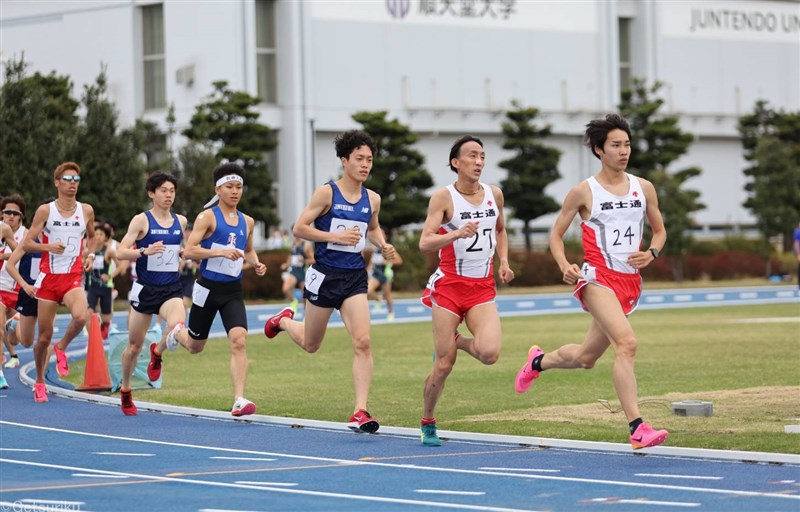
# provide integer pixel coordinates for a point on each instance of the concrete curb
(413, 433)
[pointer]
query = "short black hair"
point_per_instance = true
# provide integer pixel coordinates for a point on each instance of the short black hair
(597, 131)
(351, 140)
(227, 169)
(158, 178)
(455, 150)
(111, 225)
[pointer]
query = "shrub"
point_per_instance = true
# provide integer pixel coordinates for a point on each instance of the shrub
(536, 268)
(416, 268)
(268, 286)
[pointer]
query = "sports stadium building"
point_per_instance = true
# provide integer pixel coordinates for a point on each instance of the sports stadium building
(443, 67)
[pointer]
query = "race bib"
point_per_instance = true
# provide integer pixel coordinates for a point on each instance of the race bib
(34, 274)
(588, 272)
(338, 225)
(72, 246)
(167, 261)
(314, 279)
(624, 240)
(199, 294)
(480, 246)
(223, 265)
(434, 277)
(136, 289)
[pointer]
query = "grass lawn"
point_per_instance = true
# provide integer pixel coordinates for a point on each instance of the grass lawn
(749, 369)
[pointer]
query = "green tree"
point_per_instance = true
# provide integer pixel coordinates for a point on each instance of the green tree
(398, 171)
(532, 168)
(656, 142)
(228, 121)
(151, 141)
(111, 170)
(194, 164)
(770, 143)
(38, 125)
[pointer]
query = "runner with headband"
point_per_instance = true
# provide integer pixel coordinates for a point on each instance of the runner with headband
(222, 240)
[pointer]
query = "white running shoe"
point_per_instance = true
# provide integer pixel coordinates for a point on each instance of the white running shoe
(11, 323)
(172, 340)
(243, 407)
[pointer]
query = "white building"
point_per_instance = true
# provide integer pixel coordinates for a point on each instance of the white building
(444, 67)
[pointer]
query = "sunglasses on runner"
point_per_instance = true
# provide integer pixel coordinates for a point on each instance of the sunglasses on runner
(12, 212)
(69, 177)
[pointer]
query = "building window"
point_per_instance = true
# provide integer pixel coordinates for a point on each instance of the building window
(624, 54)
(155, 86)
(265, 51)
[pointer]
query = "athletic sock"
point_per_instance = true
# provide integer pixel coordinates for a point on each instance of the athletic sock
(536, 365)
(427, 421)
(635, 424)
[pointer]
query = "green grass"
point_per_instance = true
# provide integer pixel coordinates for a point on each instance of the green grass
(750, 371)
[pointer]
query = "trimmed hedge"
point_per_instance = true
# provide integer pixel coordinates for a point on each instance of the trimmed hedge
(530, 269)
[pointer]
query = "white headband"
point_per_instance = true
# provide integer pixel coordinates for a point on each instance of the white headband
(223, 180)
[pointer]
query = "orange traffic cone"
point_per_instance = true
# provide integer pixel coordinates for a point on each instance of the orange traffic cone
(96, 376)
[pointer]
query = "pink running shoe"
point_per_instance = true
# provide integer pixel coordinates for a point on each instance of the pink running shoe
(272, 327)
(62, 366)
(243, 407)
(646, 437)
(526, 375)
(39, 392)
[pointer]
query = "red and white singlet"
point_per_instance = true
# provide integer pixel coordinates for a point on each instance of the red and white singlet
(614, 229)
(70, 231)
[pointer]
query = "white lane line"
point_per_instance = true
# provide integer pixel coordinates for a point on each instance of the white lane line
(748, 295)
(416, 309)
(646, 502)
(682, 298)
(245, 458)
(715, 296)
(654, 299)
(91, 475)
(208, 483)
(532, 470)
(225, 510)
(526, 304)
(18, 450)
(51, 502)
(275, 484)
(123, 454)
(457, 493)
(563, 302)
(689, 477)
(621, 483)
